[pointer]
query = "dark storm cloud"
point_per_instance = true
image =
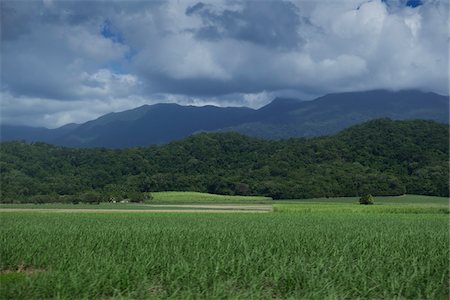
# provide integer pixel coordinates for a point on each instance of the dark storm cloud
(20, 17)
(268, 23)
(78, 59)
(50, 49)
(15, 19)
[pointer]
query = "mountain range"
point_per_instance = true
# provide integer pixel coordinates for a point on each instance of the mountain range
(280, 119)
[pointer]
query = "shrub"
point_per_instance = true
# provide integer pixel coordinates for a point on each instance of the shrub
(39, 199)
(74, 199)
(366, 199)
(91, 198)
(136, 197)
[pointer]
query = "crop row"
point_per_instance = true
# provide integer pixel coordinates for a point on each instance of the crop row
(314, 256)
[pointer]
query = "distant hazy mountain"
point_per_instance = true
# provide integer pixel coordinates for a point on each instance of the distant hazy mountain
(282, 118)
(155, 124)
(334, 112)
(34, 134)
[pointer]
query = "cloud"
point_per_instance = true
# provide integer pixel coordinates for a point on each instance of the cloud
(73, 60)
(273, 24)
(360, 45)
(52, 61)
(34, 111)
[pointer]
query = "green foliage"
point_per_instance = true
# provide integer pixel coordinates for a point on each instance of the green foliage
(381, 157)
(137, 197)
(366, 199)
(91, 198)
(39, 199)
(315, 255)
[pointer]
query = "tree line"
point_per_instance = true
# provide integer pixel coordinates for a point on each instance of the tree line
(380, 157)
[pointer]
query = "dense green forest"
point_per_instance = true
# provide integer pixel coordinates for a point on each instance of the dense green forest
(381, 157)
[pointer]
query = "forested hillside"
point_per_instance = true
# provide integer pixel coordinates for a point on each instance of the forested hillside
(381, 157)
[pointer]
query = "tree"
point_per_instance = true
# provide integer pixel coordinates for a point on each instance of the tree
(136, 197)
(39, 199)
(366, 199)
(241, 189)
(91, 198)
(384, 158)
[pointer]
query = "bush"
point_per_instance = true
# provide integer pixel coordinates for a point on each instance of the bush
(39, 199)
(91, 198)
(74, 199)
(366, 199)
(136, 197)
(242, 189)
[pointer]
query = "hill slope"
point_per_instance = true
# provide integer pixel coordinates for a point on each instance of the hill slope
(34, 134)
(283, 118)
(334, 112)
(381, 157)
(155, 124)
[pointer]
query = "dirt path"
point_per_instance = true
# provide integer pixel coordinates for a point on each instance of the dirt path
(82, 210)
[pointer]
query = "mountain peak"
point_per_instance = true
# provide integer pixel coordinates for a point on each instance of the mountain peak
(283, 101)
(280, 104)
(282, 118)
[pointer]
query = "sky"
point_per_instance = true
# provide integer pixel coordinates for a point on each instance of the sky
(64, 61)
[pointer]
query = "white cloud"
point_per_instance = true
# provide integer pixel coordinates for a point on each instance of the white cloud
(50, 61)
(54, 113)
(58, 67)
(104, 83)
(181, 57)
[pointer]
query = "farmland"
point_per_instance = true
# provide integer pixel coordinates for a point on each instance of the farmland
(195, 197)
(329, 248)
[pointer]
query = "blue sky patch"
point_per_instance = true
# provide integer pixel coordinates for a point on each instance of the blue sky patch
(413, 3)
(109, 32)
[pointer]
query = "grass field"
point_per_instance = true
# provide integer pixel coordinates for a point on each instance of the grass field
(329, 249)
(411, 204)
(394, 200)
(195, 197)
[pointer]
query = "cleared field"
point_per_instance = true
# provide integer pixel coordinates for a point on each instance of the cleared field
(192, 209)
(316, 254)
(195, 197)
(136, 208)
(159, 198)
(110, 206)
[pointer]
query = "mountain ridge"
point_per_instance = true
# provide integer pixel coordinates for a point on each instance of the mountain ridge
(282, 118)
